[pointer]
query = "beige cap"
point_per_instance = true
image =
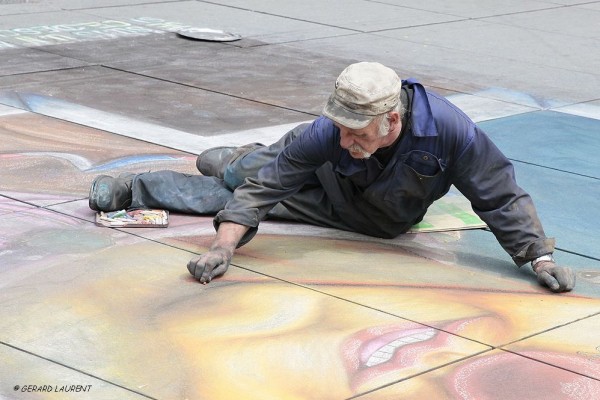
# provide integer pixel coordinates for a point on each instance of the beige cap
(363, 91)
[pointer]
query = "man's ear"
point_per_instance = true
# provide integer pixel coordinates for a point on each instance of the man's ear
(395, 121)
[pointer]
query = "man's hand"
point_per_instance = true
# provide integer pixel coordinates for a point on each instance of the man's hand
(210, 265)
(216, 261)
(558, 279)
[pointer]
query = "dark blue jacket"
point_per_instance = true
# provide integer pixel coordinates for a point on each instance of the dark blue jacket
(319, 182)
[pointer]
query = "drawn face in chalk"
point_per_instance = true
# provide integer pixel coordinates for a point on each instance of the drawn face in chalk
(277, 330)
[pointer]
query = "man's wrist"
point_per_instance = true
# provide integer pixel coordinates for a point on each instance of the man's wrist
(545, 257)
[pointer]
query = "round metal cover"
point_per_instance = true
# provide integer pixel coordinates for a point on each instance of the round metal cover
(208, 34)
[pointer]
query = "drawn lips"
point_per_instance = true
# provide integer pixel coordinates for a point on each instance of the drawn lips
(380, 350)
(388, 344)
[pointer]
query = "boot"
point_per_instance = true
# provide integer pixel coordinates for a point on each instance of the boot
(212, 162)
(111, 194)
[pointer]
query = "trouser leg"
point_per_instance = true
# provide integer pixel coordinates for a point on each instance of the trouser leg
(248, 163)
(177, 192)
(197, 194)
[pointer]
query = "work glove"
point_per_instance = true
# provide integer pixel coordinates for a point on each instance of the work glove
(210, 265)
(558, 279)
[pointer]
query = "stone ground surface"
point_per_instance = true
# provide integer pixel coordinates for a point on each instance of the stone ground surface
(102, 87)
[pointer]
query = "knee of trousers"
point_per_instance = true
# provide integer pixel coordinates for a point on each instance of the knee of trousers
(241, 168)
(233, 176)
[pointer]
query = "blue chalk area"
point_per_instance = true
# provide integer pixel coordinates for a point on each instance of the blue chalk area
(551, 139)
(128, 161)
(479, 249)
(567, 205)
(555, 158)
(14, 99)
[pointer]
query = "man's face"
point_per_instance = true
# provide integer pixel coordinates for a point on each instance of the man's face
(361, 143)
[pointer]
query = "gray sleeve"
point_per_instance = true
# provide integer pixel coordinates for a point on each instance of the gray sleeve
(278, 180)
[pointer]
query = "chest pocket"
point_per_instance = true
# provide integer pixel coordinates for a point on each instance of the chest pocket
(417, 176)
(425, 164)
